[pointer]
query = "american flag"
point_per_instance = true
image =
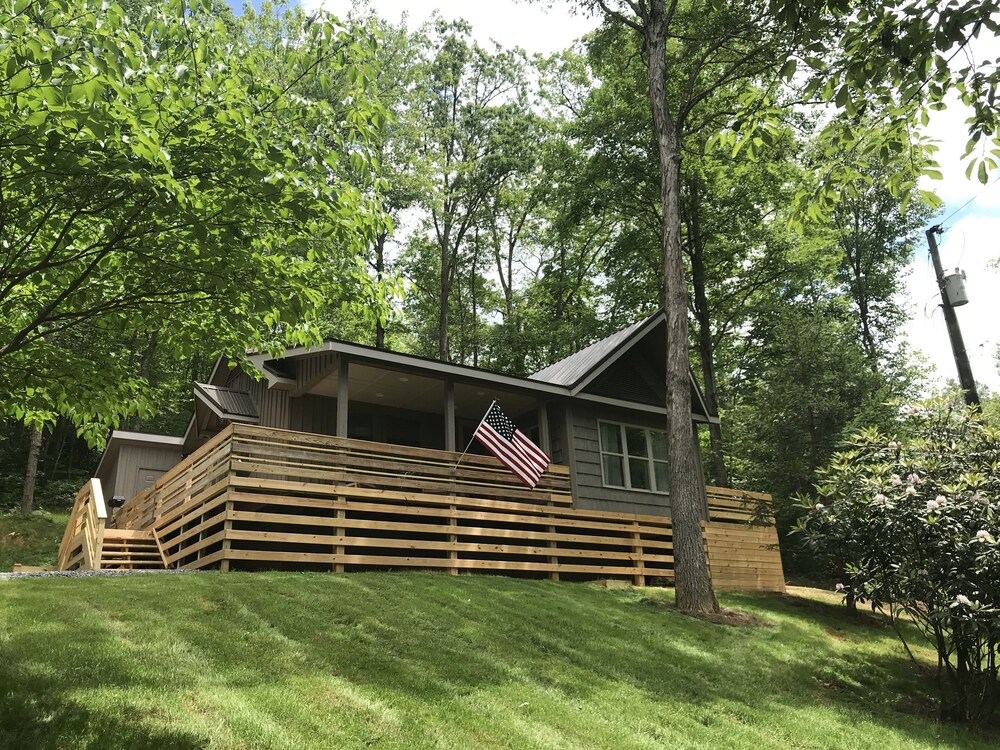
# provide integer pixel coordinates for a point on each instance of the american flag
(501, 437)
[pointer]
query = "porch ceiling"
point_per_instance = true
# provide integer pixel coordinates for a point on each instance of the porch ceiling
(405, 390)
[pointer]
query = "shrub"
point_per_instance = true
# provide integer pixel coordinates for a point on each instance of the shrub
(911, 523)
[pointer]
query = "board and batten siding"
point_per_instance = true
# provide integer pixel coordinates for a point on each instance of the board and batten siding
(139, 466)
(272, 403)
(589, 490)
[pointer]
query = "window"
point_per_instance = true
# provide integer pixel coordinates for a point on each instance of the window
(633, 458)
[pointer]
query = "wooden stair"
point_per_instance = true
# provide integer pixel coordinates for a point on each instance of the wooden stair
(126, 549)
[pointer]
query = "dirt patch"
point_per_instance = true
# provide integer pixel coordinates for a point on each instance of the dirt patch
(733, 617)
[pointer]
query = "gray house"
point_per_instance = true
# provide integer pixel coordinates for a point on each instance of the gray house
(600, 412)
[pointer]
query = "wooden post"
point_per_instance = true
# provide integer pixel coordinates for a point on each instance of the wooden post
(553, 560)
(453, 539)
(227, 544)
(100, 520)
(343, 395)
(640, 577)
(450, 444)
(340, 549)
(450, 441)
(544, 439)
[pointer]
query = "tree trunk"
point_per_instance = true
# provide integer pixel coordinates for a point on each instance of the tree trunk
(444, 296)
(720, 476)
(379, 272)
(145, 369)
(691, 576)
(475, 303)
(31, 472)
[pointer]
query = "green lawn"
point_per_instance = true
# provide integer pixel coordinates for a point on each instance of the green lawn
(432, 661)
(30, 541)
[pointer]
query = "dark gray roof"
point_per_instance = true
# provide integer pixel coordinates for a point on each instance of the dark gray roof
(574, 368)
(227, 402)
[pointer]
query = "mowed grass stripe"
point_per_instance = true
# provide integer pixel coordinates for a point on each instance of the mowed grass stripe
(419, 660)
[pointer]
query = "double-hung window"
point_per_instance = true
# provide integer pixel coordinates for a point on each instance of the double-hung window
(633, 458)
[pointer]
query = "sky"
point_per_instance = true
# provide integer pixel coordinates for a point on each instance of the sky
(968, 240)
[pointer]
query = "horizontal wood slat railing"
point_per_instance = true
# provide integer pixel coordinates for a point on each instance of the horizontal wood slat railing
(257, 498)
(83, 540)
(741, 541)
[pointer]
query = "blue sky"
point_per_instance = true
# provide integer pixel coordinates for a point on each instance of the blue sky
(237, 5)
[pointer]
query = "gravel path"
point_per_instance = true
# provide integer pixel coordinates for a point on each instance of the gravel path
(93, 573)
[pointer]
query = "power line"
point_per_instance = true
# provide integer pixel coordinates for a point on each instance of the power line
(973, 198)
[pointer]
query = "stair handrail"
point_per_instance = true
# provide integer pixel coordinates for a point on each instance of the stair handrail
(85, 529)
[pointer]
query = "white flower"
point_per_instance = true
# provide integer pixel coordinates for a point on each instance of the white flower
(962, 599)
(879, 498)
(895, 481)
(911, 490)
(941, 499)
(933, 505)
(914, 478)
(894, 445)
(980, 499)
(840, 587)
(982, 534)
(820, 506)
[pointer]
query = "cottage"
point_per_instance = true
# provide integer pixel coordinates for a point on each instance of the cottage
(347, 456)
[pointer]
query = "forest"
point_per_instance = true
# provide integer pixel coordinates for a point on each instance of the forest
(181, 182)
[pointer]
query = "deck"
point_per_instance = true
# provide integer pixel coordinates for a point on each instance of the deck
(256, 498)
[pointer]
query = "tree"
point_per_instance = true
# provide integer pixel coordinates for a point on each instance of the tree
(911, 515)
(876, 233)
(691, 49)
(156, 177)
(475, 109)
(890, 62)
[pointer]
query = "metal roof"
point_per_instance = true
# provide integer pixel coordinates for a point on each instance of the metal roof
(227, 403)
(576, 367)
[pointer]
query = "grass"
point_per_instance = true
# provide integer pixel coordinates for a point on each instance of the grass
(30, 541)
(382, 660)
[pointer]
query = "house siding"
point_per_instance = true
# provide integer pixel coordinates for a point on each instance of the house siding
(311, 413)
(151, 461)
(589, 489)
(272, 403)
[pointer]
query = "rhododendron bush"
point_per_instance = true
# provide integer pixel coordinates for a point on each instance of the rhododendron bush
(909, 521)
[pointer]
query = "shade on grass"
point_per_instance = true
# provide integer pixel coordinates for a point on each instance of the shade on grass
(30, 541)
(433, 661)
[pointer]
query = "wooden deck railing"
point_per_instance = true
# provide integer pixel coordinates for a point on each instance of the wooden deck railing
(742, 542)
(258, 498)
(83, 539)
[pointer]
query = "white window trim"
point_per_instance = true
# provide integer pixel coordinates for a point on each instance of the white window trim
(626, 476)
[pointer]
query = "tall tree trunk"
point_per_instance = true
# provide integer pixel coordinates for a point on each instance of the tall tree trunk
(475, 304)
(379, 272)
(705, 345)
(445, 294)
(145, 369)
(31, 472)
(691, 576)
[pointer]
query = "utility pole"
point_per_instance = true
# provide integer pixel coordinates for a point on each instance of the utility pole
(965, 378)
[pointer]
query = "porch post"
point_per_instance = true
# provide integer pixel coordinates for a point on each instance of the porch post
(342, 395)
(449, 416)
(543, 427)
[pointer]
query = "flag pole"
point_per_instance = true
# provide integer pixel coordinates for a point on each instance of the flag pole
(455, 467)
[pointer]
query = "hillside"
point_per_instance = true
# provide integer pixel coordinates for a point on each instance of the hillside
(30, 541)
(433, 661)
